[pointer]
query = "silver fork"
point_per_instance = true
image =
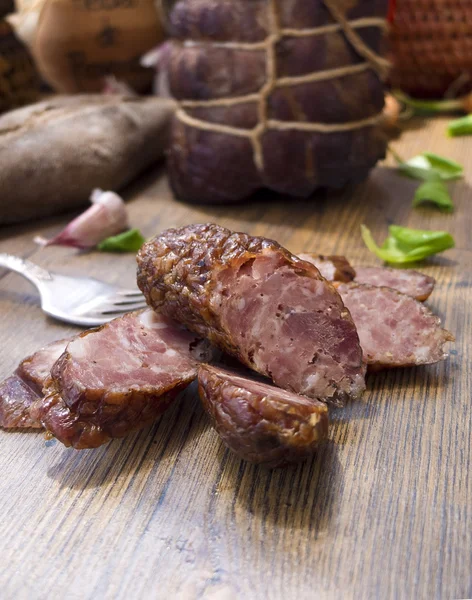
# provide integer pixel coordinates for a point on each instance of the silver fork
(79, 300)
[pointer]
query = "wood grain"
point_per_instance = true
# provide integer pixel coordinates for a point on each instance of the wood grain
(383, 511)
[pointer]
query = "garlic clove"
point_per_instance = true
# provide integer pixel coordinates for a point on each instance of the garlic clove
(106, 217)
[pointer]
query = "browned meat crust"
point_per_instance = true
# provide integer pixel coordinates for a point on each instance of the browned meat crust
(77, 429)
(259, 422)
(117, 378)
(258, 302)
(16, 398)
(18, 392)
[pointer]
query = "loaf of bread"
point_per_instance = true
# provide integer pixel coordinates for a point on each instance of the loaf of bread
(54, 153)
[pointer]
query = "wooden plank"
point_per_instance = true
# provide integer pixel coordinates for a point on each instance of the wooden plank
(382, 511)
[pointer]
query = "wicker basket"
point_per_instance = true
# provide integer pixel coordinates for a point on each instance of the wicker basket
(431, 46)
(6, 7)
(19, 83)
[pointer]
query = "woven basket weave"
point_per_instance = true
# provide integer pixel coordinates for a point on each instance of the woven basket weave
(6, 7)
(431, 46)
(19, 83)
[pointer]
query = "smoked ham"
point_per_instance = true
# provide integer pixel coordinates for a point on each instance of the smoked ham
(259, 422)
(281, 94)
(395, 330)
(117, 378)
(258, 302)
(19, 391)
(333, 268)
(408, 281)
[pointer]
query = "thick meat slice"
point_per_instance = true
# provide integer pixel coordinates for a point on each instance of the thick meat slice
(19, 391)
(337, 268)
(395, 329)
(257, 301)
(259, 422)
(333, 268)
(116, 378)
(16, 397)
(409, 282)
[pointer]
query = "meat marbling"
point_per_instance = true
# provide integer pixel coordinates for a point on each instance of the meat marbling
(257, 301)
(409, 282)
(337, 268)
(259, 422)
(20, 390)
(333, 268)
(395, 329)
(117, 378)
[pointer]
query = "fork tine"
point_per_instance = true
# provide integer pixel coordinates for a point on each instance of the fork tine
(135, 292)
(124, 302)
(118, 310)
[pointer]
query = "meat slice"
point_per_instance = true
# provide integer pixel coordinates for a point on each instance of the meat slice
(409, 282)
(258, 302)
(18, 392)
(337, 268)
(118, 377)
(16, 397)
(333, 268)
(395, 329)
(259, 422)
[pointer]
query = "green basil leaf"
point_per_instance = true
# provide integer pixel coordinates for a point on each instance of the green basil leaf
(388, 252)
(405, 245)
(434, 192)
(429, 106)
(429, 166)
(128, 241)
(462, 126)
(415, 237)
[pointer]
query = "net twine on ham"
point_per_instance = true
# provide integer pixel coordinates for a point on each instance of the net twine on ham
(348, 27)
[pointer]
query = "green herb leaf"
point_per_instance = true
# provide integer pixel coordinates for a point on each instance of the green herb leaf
(462, 126)
(405, 245)
(436, 192)
(429, 106)
(128, 241)
(429, 166)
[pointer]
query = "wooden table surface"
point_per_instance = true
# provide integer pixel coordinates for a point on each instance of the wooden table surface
(383, 511)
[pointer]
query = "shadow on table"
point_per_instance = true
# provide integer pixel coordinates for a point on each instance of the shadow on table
(385, 190)
(437, 376)
(383, 199)
(301, 496)
(141, 450)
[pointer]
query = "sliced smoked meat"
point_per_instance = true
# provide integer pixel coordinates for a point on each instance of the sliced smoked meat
(261, 423)
(18, 392)
(337, 268)
(409, 282)
(258, 302)
(117, 378)
(333, 268)
(395, 329)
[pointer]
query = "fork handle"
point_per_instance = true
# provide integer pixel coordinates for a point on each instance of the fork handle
(25, 267)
